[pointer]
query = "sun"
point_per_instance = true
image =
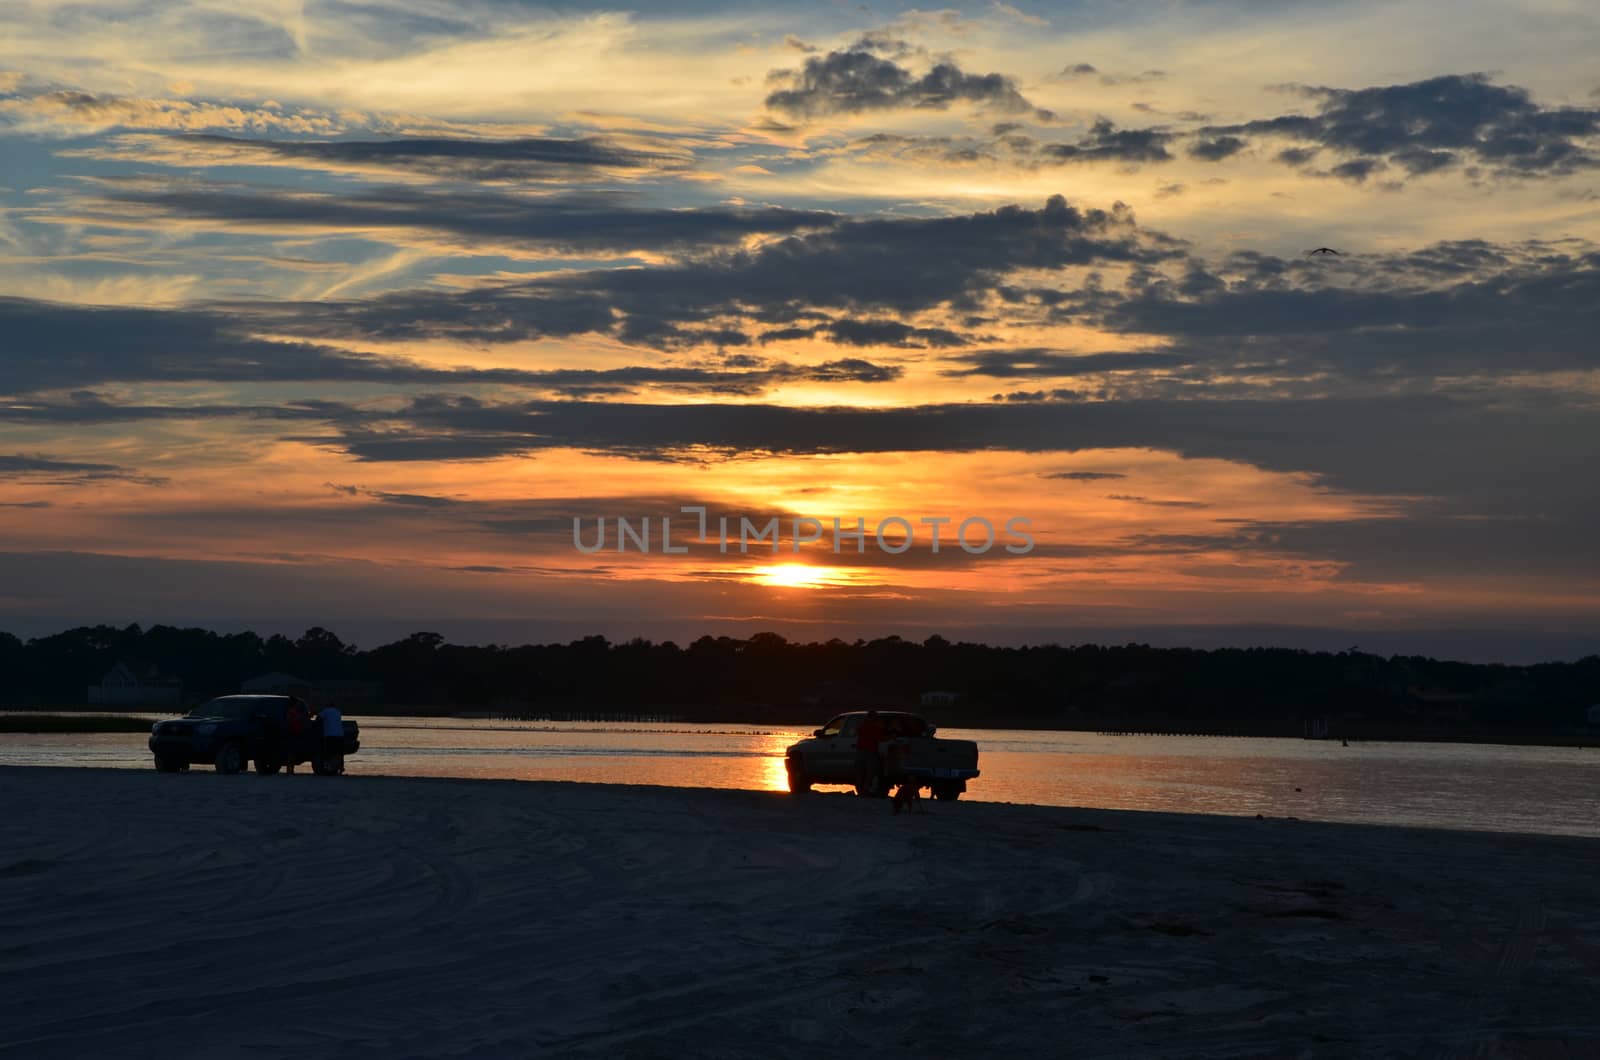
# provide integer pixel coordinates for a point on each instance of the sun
(798, 576)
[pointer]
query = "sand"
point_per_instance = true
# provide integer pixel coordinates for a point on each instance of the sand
(208, 916)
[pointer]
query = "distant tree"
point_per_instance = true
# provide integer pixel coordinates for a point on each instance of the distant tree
(767, 677)
(319, 641)
(424, 641)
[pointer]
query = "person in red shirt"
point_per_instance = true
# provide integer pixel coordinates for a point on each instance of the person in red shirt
(294, 732)
(869, 734)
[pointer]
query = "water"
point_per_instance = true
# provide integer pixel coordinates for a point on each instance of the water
(1471, 786)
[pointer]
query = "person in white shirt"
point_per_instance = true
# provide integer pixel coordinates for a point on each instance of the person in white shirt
(332, 738)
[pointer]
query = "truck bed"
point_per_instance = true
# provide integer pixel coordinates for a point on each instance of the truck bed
(930, 757)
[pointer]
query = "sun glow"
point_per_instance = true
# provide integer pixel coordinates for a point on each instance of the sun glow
(800, 576)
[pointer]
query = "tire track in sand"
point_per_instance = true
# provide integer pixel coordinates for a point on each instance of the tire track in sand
(772, 983)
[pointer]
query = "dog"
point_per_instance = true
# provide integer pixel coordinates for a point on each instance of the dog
(907, 796)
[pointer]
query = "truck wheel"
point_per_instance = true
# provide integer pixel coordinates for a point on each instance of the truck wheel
(947, 792)
(268, 766)
(799, 783)
(230, 758)
(167, 765)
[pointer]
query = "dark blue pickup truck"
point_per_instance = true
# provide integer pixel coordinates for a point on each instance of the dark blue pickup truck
(232, 731)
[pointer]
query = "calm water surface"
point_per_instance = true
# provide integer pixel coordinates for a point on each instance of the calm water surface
(1477, 786)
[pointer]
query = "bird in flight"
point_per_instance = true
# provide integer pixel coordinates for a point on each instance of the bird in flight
(1323, 250)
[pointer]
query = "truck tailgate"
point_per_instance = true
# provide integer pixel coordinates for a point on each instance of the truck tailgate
(931, 756)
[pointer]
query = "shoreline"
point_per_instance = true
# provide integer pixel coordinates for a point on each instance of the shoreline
(929, 805)
(1355, 732)
(529, 918)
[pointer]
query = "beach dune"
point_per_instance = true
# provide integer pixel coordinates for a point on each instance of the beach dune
(202, 915)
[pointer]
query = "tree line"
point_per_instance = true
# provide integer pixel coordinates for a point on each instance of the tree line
(766, 677)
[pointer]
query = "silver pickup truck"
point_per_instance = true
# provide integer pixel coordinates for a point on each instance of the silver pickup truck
(909, 751)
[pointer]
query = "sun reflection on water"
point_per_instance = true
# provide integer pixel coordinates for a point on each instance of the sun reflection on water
(774, 777)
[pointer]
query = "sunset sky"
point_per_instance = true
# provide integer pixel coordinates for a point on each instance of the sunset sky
(339, 313)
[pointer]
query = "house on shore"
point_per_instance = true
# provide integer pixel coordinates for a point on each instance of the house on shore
(123, 687)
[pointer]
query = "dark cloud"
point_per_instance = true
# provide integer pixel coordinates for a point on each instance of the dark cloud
(1418, 160)
(1458, 310)
(858, 80)
(890, 333)
(564, 224)
(1084, 476)
(407, 446)
(50, 345)
(882, 265)
(1216, 149)
(1075, 71)
(19, 464)
(1105, 142)
(70, 106)
(1142, 78)
(871, 333)
(1045, 364)
(712, 380)
(1008, 145)
(1499, 446)
(1153, 502)
(1358, 169)
(1425, 126)
(767, 123)
(1465, 309)
(56, 346)
(415, 500)
(1440, 540)
(527, 159)
(849, 369)
(87, 408)
(36, 469)
(1005, 144)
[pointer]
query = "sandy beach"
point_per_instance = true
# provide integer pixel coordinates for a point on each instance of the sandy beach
(201, 915)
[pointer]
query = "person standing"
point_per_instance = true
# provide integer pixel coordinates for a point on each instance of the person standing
(869, 735)
(332, 739)
(295, 721)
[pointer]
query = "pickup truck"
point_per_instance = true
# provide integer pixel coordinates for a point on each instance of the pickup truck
(231, 731)
(909, 752)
